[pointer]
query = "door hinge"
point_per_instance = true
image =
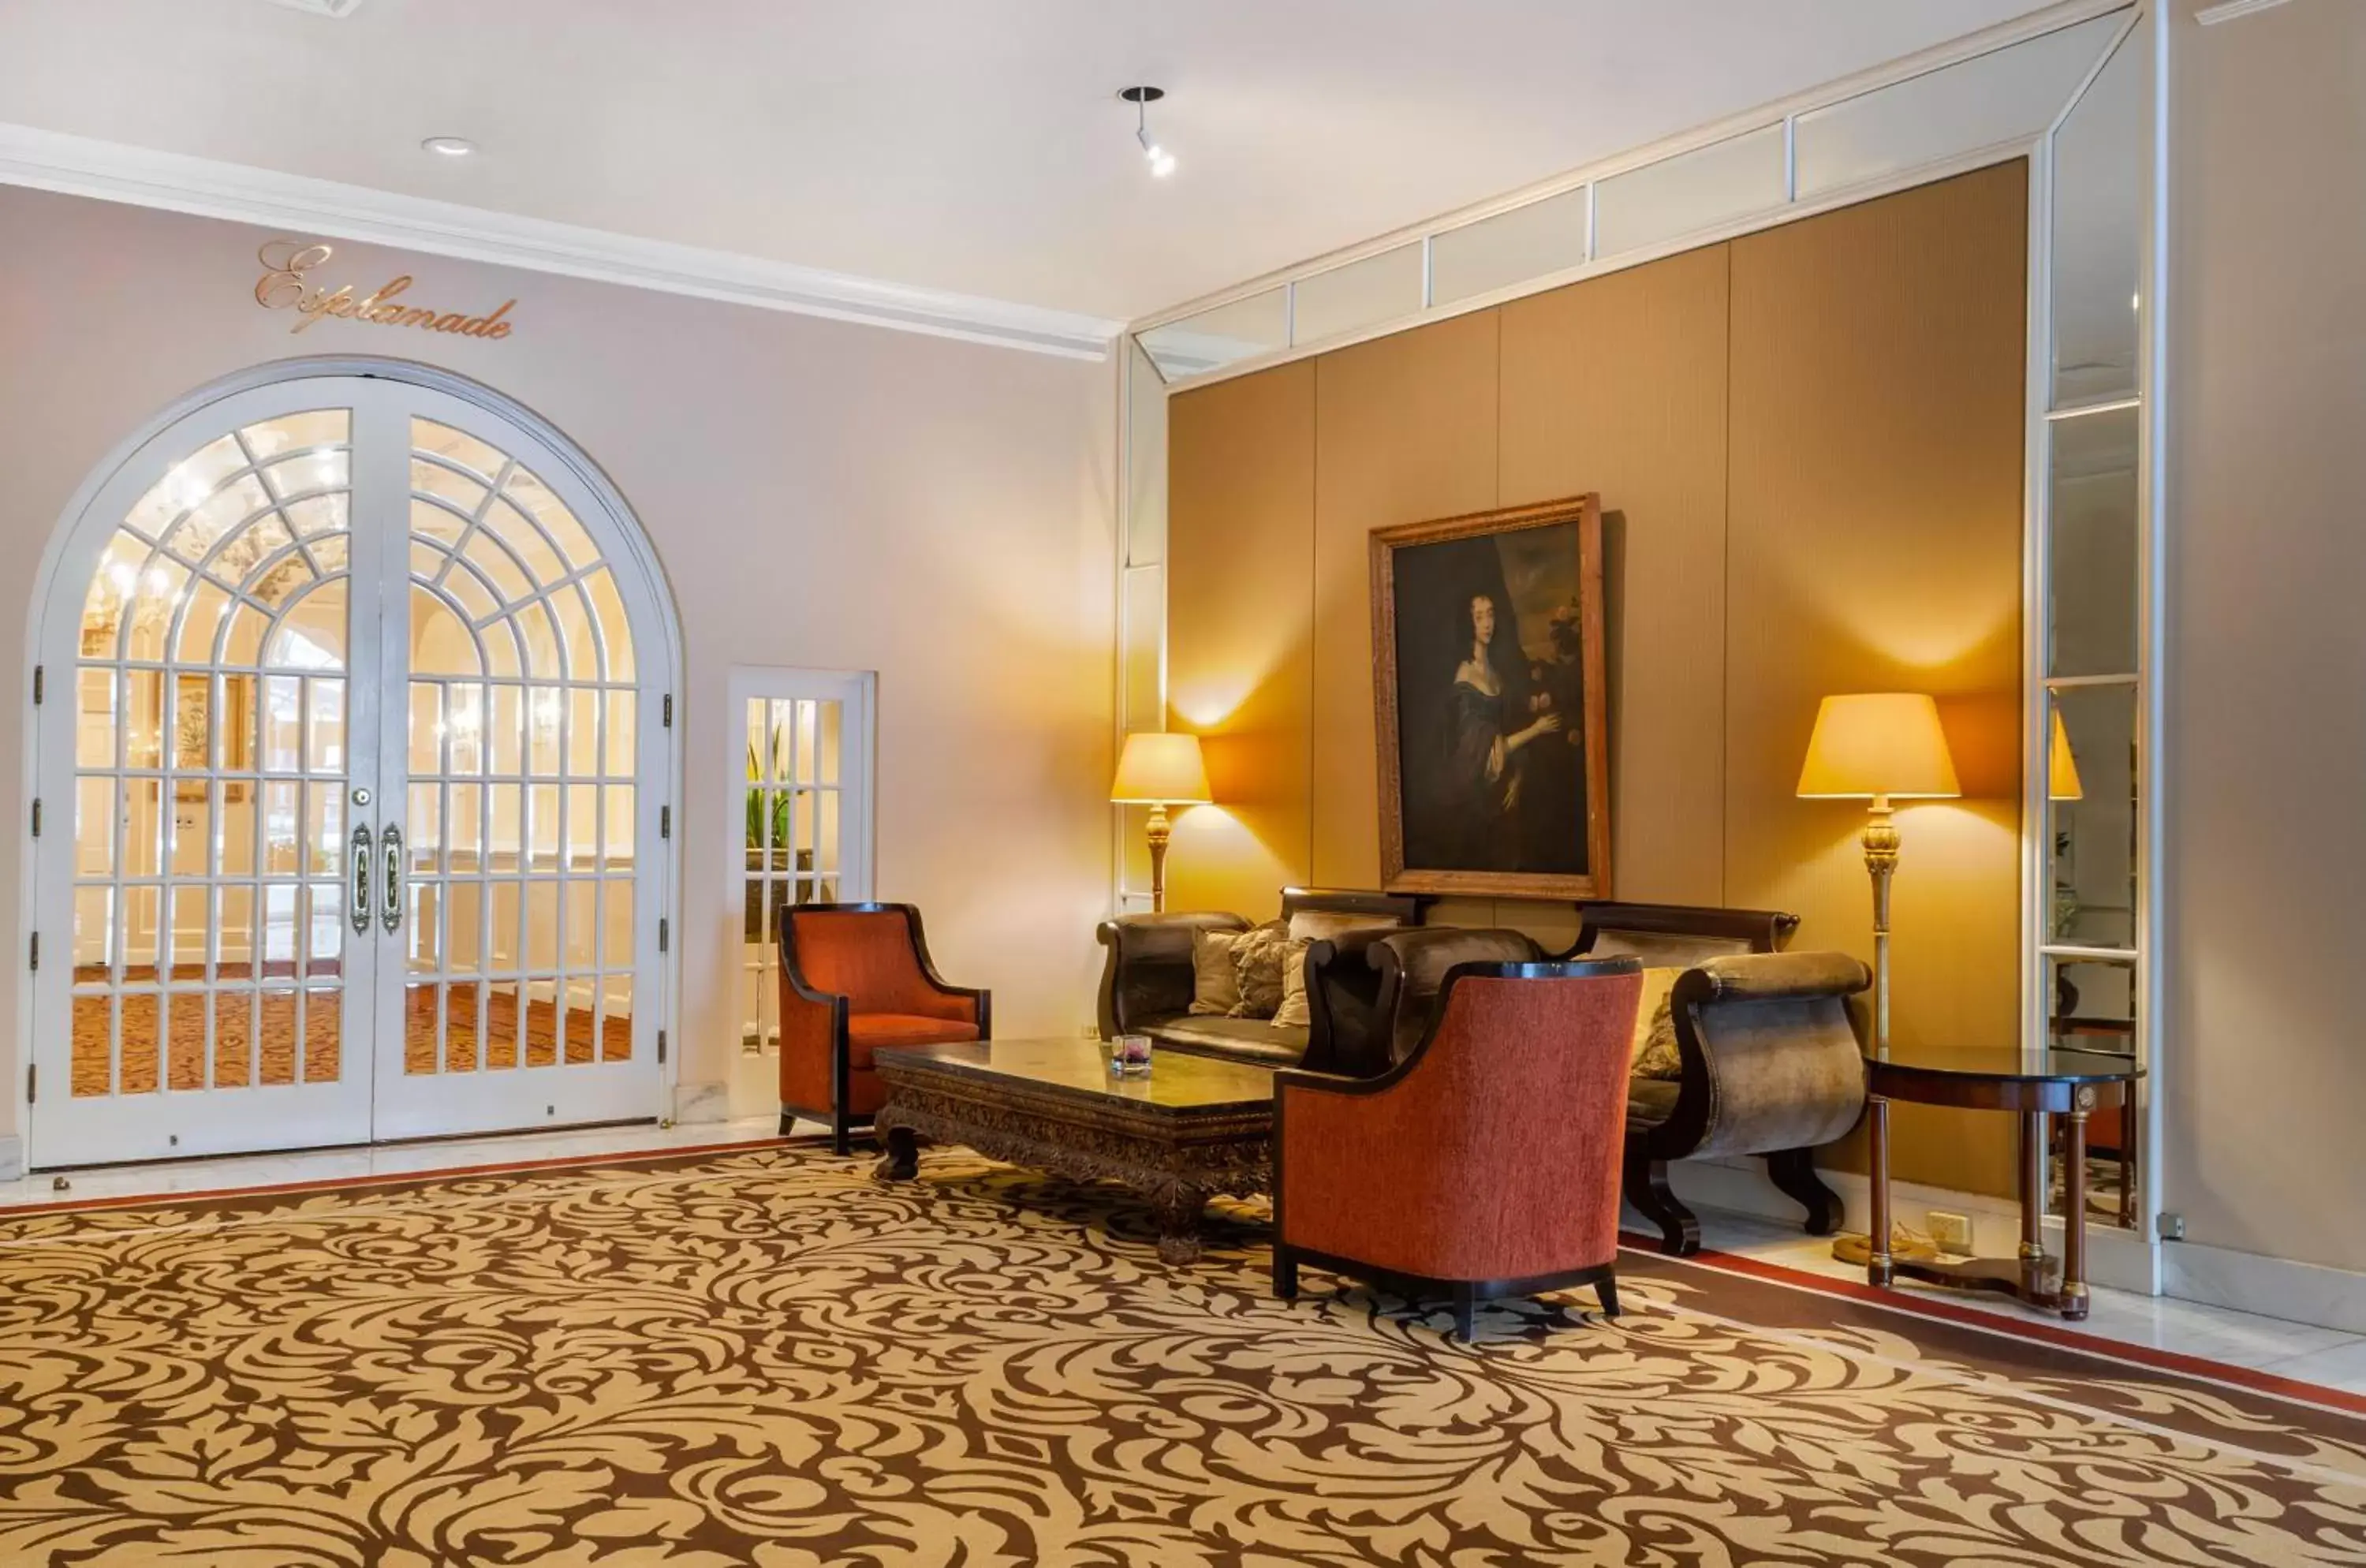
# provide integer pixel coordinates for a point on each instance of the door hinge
(37, 817)
(37, 684)
(36, 949)
(32, 1082)
(661, 1047)
(665, 821)
(668, 710)
(665, 930)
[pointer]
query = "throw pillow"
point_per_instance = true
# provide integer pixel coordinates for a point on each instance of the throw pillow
(1322, 925)
(1655, 1054)
(1258, 956)
(1293, 1012)
(1215, 974)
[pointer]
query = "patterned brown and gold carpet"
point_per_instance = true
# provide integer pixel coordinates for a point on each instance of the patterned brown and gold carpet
(762, 1358)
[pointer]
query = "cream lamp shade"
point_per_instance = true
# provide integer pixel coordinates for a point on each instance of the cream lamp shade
(1160, 769)
(1868, 745)
(2061, 767)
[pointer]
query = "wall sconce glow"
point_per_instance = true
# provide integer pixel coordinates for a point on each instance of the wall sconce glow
(1162, 162)
(448, 146)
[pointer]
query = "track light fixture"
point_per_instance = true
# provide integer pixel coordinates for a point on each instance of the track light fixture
(1162, 162)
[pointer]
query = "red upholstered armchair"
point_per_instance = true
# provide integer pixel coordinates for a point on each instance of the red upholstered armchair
(1486, 1163)
(854, 978)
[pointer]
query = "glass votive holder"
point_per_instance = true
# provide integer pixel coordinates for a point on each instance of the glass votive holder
(1130, 1056)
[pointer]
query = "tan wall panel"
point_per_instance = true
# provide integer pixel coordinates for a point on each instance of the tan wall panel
(1619, 385)
(1240, 593)
(1873, 543)
(1405, 429)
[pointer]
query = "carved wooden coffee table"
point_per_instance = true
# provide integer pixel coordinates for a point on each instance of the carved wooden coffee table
(1195, 1128)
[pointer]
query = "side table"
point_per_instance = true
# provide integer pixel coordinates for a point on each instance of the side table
(2037, 1084)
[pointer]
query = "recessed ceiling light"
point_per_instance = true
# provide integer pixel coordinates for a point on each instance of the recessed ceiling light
(449, 146)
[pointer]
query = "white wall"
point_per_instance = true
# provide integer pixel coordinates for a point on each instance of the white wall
(819, 494)
(2266, 761)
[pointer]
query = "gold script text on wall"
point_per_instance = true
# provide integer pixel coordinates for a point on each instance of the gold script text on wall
(286, 264)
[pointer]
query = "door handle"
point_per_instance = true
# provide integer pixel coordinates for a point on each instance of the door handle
(360, 911)
(391, 842)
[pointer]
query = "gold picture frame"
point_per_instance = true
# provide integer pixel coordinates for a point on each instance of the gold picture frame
(1486, 629)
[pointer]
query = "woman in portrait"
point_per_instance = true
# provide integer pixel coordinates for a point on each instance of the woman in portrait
(1492, 721)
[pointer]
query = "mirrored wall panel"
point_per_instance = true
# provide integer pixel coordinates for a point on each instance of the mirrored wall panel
(1220, 335)
(1543, 237)
(1691, 191)
(2099, 213)
(2092, 816)
(1981, 102)
(2093, 568)
(1145, 459)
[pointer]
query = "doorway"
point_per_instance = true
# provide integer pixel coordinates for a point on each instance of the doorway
(353, 734)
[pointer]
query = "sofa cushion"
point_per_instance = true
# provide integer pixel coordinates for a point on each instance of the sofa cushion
(1215, 972)
(1650, 1101)
(1295, 1012)
(1656, 1054)
(1260, 957)
(1253, 1040)
(866, 1032)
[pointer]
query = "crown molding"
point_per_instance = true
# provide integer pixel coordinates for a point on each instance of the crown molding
(111, 171)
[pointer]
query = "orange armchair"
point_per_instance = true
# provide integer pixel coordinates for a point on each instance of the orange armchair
(854, 978)
(1486, 1163)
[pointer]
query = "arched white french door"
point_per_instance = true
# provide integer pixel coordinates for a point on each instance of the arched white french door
(352, 744)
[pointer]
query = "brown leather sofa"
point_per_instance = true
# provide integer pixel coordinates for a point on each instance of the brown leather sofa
(1770, 1060)
(1146, 984)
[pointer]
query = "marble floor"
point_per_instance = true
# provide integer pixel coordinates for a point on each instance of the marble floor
(2303, 1353)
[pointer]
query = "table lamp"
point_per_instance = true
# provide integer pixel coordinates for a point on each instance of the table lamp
(1159, 769)
(1878, 747)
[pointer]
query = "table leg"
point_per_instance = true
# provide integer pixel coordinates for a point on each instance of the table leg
(902, 1160)
(1877, 1267)
(2033, 1195)
(2074, 1216)
(1178, 1224)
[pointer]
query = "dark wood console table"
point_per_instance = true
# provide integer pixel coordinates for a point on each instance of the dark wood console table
(2037, 1084)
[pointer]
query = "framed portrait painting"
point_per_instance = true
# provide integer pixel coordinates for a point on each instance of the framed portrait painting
(1488, 688)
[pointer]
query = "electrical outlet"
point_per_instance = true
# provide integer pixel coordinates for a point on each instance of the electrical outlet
(1952, 1232)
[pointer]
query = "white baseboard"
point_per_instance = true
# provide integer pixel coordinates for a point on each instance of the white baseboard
(1739, 1185)
(702, 1103)
(2272, 1287)
(12, 1157)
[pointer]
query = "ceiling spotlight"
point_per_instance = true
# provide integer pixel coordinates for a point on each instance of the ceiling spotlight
(448, 146)
(1162, 162)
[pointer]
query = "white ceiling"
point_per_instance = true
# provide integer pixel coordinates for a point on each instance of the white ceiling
(971, 145)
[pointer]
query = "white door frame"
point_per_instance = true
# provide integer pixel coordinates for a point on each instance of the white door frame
(857, 693)
(89, 520)
(858, 808)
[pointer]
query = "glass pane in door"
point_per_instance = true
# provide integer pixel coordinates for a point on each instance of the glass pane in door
(211, 761)
(519, 936)
(791, 809)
